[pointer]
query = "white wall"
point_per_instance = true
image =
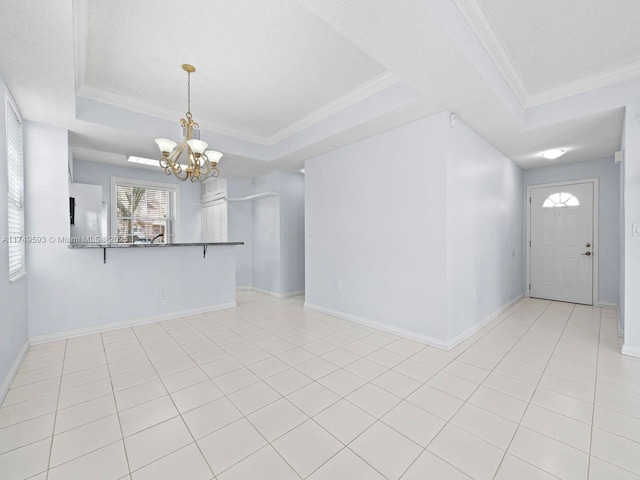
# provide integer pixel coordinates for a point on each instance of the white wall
(74, 289)
(266, 236)
(608, 174)
(95, 173)
(291, 198)
(13, 295)
(272, 261)
(484, 229)
(375, 214)
(240, 229)
(631, 213)
(411, 221)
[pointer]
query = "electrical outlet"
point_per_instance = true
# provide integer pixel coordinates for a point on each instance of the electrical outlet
(163, 295)
(339, 285)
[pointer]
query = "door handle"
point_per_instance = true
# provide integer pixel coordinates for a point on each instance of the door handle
(588, 254)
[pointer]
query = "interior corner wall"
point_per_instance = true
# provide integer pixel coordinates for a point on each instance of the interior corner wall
(608, 235)
(375, 214)
(631, 222)
(266, 236)
(278, 234)
(13, 294)
(240, 229)
(484, 230)
(621, 243)
(291, 197)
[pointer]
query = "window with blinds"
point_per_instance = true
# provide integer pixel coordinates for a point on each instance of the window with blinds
(144, 214)
(15, 203)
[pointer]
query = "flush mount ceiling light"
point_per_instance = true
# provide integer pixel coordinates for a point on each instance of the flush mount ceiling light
(553, 153)
(152, 162)
(143, 161)
(202, 163)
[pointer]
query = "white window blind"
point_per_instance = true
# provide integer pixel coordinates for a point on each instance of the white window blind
(144, 213)
(15, 167)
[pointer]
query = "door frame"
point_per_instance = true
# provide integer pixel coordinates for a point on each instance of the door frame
(595, 241)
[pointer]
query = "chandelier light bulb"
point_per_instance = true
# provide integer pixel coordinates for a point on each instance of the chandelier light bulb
(165, 145)
(213, 156)
(197, 146)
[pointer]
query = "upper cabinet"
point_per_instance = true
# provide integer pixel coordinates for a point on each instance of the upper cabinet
(213, 188)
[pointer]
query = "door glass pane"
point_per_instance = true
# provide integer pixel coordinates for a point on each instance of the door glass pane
(561, 199)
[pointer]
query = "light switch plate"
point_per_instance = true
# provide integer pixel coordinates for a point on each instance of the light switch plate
(635, 230)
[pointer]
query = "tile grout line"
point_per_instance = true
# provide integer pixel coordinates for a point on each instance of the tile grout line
(595, 389)
(113, 393)
(533, 322)
(66, 345)
(533, 393)
(326, 333)
(245, 417)
(379, 419)
(226, 395)
(309, 418)
(174, 405)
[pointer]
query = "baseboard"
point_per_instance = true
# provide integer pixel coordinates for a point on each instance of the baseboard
(631, 351)
(607, 304)
(431, 341)
(462, 336)
(11, 374)
(244, 288)
(279, 296)
(36, 339)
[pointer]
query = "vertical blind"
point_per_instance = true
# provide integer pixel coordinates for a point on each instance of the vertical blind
(15, 167)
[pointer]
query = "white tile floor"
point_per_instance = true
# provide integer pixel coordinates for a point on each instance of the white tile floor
(271, 391)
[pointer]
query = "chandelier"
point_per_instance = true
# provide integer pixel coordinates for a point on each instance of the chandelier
(201, 163)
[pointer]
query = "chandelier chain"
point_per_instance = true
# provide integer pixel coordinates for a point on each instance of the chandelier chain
(189, 94)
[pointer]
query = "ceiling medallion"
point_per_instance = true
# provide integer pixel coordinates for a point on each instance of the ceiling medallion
(201, 163)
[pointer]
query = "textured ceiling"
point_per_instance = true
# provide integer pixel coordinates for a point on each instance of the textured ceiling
(261, 64)
(563, 45)
(285, 80)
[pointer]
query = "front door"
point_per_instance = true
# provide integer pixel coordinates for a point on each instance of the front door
(561, 233)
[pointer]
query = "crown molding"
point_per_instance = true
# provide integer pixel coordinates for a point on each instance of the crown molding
(359, 93)
(80, 34)
(478, 20)
(81, 26)
(610, 77)
(109, 98)
(362, 92)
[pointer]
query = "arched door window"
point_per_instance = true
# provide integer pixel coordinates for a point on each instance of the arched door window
(561, 199)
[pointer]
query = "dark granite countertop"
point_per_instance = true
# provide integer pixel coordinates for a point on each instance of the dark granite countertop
(147, 245)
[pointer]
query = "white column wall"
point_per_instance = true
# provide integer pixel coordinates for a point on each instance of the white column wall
(375, 215)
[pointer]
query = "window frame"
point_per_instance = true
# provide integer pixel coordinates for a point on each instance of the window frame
(18, 243)
(132, 182)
